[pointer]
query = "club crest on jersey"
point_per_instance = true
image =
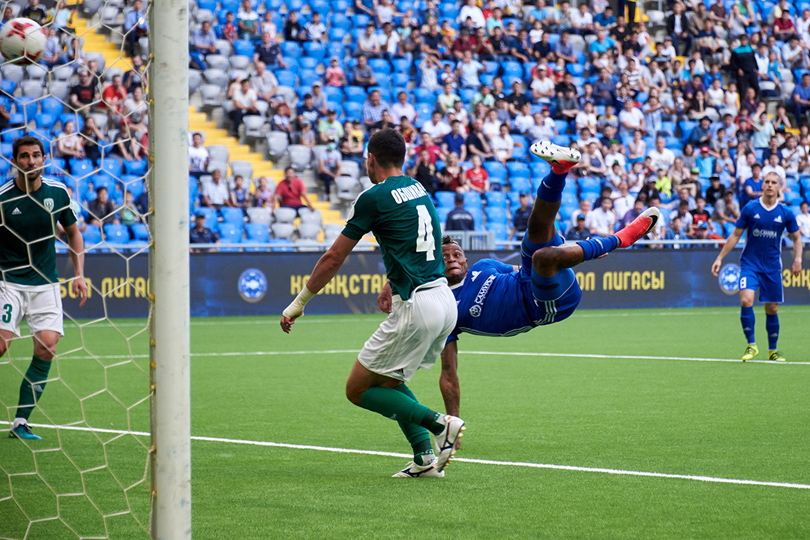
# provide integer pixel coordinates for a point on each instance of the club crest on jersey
(48, 203)
(475, 311)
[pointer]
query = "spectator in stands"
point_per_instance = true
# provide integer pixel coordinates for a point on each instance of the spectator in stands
(715, 190)
(743, 65)
(567, 106)
(801, 99)
(229, 29)
(447, 98)
(335, 76)
(215, 192)
(112, 98)
(307, 113)
(362, 74)
(803, 220)
(468, 71)
(264, 194)
(136, 26)
(53, 54)
(424, 170)
(584, 207)
(623, 202)
(267, 25)
(69, 144)
(128, 212)
(351, 145)
(632, 213)
(476, 178)
(368, 44)
(203, 42)
(200, 234)
(264, 83)
(578, 231)
(35, 12)
(450, 177)
(306, 136)
(436, 127)
(248, 22)
(240, 194)
(197, 157)
(329, 166)
(315, 29)
(454, 142)
(268, 51)
(291, 192)
(91, 136)
(763, 131)
(503, 144)
(373, 108)
(124, 145)
(8, 14)
(102, 209)
(600, 221)
(136, 76)
(389, 42)
(430, 73)
(676, 231)
(477, 143)
(682, 212)
(403, 109)
(520, 218)
(630, 119)
(459, 219)
(292, 28)
(434, 151)
(727, 209)
(244, 100)
(329, 128)
(85, 93)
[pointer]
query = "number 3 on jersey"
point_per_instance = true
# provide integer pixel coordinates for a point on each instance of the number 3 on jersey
(424, 240)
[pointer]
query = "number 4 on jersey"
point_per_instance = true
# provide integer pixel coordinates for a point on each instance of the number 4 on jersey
(425, 243)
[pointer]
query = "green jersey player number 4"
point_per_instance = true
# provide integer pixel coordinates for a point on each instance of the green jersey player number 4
(30, 208)
(401, 215)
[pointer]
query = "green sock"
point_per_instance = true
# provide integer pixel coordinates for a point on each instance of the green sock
(418, 436)
(33, 384)
(400, 407)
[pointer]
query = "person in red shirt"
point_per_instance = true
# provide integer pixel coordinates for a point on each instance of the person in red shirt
(434, 151)
(290, 191)
(482, 46)
(783, 26)
(463, 43)
(113, 96)
(229, 28)
(477, 178)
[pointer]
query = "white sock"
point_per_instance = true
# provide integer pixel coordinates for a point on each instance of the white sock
(19, 422)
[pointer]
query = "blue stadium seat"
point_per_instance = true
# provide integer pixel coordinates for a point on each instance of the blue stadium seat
(401, 79)
(136, 168)
(319, 6)
(521, 147)
(116, 234)
(793, 198)
(111, 166)
(210, 217)
(353, 111)
(472, 200)
(445, 199)
(92, 235)
(291, 48)
(500, 229)
(360, 20)
(308, 78)
(497, 172)
(520, 184)
(80, 168)
(423, 95)
(589, 183)
(286, 78)
(231, 233)
(686, 127)
(45, 120)
(26, 106)
(378, 65)
(561, 140)
(519, 168)
(242, 47)
(540, 169)
(193, 195)
(355, 94)
(340, 20)
(8, 87)
(140, 232)
(334, 93)
(133, 184)
(496, 214)
(257, 233)
(232, 215)
(77, 119)
(425, 110)
(314, 49)
(401, 65)
(496, 199)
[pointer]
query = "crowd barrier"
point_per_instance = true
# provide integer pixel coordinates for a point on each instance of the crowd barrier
(245, 284)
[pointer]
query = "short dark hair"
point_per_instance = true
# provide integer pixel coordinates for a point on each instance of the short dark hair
(26, 141)
(388, 148)
(448, 240)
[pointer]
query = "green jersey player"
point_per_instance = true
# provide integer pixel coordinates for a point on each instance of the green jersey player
(30, 207)
(400, 213)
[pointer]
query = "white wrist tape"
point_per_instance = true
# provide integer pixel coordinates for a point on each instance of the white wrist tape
(296, 307)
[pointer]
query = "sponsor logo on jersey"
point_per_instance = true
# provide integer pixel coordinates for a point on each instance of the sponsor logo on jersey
(476, 309)
(764, 233)
(16, 212)
(48, 203)
(729, 279)
(252, 285)
(778, 219)
(408, 193)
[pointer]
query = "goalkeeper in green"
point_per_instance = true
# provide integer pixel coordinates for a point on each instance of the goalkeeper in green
(30, 207)
(400, 213)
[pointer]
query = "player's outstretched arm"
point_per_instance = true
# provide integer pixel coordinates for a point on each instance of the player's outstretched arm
(448, 382)
(733, 238)
(797, 252)
(76, 243)
(325, 269)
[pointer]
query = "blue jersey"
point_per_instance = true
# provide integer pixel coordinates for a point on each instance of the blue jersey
(764, 226)
(495, 300)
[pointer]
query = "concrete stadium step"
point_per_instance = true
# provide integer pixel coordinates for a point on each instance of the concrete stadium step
(95, 42)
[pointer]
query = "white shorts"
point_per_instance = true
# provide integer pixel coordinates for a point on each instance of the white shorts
(414, 334)
(41, 305)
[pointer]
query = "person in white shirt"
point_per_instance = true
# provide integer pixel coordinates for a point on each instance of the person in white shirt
(468, 71)
(542, 88)
(525, 119)
(544, 127)
(492, 125)
(623, 202)
(794, 158)
(436, 127)
(661, 157)
(472, 11)
(803, 219)
(584, 207)
(389, 41)
(403, 108)
(601, 220)
(582, 20)
(586, 119)
(197, 157)
(631, 119)
(615, 156)
(502, 144)
(774, 166)
(316, 30)
(215, 192)
(244, 102)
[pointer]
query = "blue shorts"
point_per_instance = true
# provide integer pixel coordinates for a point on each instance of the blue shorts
(768, 283)
(553, 299)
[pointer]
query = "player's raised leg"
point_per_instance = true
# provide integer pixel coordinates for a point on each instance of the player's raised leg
(541, 228)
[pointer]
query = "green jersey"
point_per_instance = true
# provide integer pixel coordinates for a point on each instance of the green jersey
(402, 217)
(28, 223)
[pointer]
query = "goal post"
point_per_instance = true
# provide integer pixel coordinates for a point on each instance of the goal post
(169, 268)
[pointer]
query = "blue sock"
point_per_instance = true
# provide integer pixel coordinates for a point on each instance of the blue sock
(772, 325)
(596, 247)
(551, 187)
(748, 321)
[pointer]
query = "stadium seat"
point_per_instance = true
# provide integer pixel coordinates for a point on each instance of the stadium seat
(521, 184)
(135, 168)
(445, 199)
(472, 200)
(355, 94)
(291, 48)
(242, 48)
(309, 231)
(497, 172)
(285, 215)
(230, 233)
(232, 215)
(92, 236)
(496, 214)
(116, 234)
(495, 199)
(280, 230)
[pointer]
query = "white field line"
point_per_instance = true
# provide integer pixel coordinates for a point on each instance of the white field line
(463, 352)
(602, 470)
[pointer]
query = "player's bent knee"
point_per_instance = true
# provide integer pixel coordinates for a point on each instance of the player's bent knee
(544, 261)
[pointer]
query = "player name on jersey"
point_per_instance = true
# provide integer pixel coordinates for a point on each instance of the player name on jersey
(408, 193)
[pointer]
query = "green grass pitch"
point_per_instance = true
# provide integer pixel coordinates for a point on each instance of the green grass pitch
(253, 384)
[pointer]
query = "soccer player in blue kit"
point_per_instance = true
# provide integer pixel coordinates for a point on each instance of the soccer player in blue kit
(765, 219)
(498, 299)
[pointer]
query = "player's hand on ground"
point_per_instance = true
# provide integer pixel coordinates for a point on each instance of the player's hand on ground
(797, 267)
(384, 298)
(80, 288)
(716, 268)
(287, 322)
